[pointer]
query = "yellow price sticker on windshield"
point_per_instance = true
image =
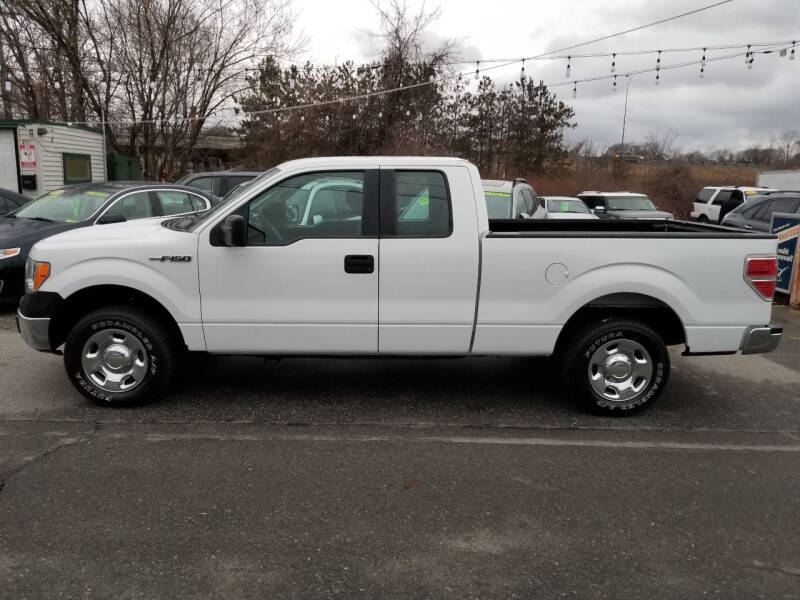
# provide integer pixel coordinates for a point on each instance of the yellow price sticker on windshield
(70, 221)
(101, 194)
(56, 192)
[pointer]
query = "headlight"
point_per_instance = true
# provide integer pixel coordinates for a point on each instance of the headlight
(36, 273)
(8, 253)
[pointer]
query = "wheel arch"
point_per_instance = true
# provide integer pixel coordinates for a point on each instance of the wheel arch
(628, 305)
(84, 301)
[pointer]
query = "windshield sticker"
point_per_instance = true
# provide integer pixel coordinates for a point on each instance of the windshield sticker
(56, 192)
(501, 194)
(565, 207)
(70, 221)
(101, 194)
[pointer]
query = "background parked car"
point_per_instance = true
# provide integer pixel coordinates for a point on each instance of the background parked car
(81, 206)
(509, 199)
(714, 202)
(562, 207)
(218, 183)
(10, 201)
(623, 205)
(757, 212)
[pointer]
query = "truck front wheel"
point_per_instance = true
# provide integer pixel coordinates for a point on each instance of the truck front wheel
(120, 356)
(616, 367)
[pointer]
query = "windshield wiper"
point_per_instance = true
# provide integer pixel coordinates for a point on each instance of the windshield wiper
(45, 219)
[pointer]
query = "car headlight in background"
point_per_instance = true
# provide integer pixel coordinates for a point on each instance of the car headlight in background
(36, 273)
(8, 253)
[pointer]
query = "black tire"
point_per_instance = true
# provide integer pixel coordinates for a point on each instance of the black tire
(702, 219)
(156, 345)
(585, 343)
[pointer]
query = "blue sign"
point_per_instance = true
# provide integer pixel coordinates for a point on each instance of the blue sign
(787, 228)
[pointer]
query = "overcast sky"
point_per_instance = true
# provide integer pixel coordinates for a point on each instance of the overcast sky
(730, 107)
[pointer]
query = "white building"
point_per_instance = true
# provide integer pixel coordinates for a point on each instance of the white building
(39, 156)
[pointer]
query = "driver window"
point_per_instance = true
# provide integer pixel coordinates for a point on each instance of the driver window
(133, 206)
(314, 205)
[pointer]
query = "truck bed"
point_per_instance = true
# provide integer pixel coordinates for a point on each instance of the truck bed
(610, 228)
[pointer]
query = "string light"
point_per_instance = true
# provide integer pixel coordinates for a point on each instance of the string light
(614, 87)
(477, 69)
(575, 90)
(569, 66)
(658, 68)
(613, 63)
(747, 55)
(703, 64)
(522, 71)
(408, 113)
(380, 114)
(8, 83)
(57, 85)
(791, 54)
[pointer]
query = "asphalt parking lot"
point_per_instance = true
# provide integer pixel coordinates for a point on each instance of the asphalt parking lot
(468, 478)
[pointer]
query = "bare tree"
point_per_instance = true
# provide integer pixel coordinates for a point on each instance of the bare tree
(788, 144)
(160, 69)
(658, 146)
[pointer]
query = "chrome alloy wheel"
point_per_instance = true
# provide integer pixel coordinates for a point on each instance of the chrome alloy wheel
(620, 370)
(115, 360)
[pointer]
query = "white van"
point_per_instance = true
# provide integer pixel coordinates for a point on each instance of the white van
(706, 207)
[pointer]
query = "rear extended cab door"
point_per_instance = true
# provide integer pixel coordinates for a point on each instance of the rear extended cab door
(429, 259)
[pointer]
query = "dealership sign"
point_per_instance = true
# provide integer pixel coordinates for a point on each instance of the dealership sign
(787, 228)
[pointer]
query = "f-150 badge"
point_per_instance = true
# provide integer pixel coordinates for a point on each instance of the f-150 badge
(171, 258)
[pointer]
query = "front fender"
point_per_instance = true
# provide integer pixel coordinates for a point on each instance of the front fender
(173, 284)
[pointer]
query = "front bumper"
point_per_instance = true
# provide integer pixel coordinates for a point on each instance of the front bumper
(759, 339)
(35, 331)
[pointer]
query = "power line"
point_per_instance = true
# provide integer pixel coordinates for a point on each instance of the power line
(637, 28)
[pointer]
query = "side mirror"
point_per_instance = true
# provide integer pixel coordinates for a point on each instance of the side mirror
(234, 230)
(111, 218)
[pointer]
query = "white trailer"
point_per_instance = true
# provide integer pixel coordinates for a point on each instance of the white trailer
(40, 156)
(779, 180)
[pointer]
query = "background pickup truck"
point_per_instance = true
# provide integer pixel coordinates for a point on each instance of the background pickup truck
(411, 265)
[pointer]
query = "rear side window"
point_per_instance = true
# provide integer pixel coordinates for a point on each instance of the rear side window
(779, 205)
(234, 180)
(206, 183)
(723, 196)
(705, 195)
(175, 202)
(422, 204)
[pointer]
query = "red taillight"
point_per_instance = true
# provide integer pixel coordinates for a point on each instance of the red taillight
(762, 267)
(765, 287)
(761, 273)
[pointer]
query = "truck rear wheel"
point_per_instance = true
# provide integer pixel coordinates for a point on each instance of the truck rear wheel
(616, 367)
(120, 356)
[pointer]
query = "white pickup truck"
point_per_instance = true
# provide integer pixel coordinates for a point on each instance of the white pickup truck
(403, 261)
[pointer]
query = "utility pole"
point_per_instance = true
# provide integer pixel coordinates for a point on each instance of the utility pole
(625, 114)
(103, 126)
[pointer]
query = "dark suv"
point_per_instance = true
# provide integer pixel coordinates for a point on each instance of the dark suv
(218, 183)
(757, 213)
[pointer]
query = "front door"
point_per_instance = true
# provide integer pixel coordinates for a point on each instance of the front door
(307, 280)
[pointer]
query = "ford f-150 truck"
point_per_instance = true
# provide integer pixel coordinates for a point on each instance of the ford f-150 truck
(400, 259)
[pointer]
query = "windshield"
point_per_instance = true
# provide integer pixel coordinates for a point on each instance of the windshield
(64, 206)
(566, 206)
(633, 202)
(498, 204)
(232, 195)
